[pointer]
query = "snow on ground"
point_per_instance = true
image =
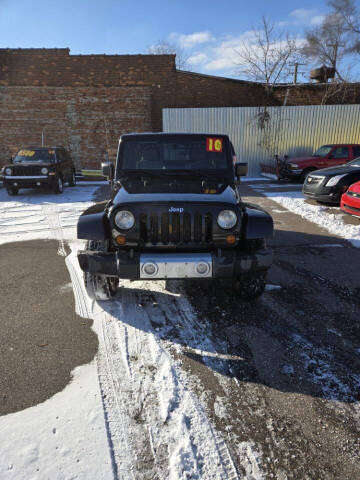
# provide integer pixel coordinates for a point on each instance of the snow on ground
(64, 437)
(132, 413)
(320, 214)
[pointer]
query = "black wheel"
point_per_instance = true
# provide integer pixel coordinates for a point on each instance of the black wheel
(100, 287)
(12, 190)
(72, 180)
(59, 187)
(252, 287)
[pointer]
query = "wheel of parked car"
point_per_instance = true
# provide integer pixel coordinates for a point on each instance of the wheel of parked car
(72, 180)
(12, 190)
(99, 287)
(250, 288)
(59, 186)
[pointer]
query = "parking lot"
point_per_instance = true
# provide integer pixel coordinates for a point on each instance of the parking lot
(190, 381)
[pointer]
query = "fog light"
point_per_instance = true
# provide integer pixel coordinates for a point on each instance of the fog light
(231, 239)
(202, 268)
(150, 268)
(120, 240)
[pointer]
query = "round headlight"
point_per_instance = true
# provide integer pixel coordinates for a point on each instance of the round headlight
(44, 171)
(124, 220)
(8, 171)
(227, 219)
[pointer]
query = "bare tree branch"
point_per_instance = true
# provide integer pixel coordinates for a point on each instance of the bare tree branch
(267, 55)
(328, 42)
(163, 47)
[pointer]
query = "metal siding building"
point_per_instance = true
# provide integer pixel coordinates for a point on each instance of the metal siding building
(259, 134)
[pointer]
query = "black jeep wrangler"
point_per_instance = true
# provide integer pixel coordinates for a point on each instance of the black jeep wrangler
(175, 212)
(35, 167)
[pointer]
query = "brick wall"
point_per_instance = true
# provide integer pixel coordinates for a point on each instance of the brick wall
(70, 96)
(72, 116)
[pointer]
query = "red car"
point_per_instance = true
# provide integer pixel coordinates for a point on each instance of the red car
(325, 157)
(350, 200)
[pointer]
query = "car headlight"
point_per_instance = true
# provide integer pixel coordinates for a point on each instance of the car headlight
(124, 220)
(8, 171)
(334, 180)
(227, 219)
(293, 165)
(44, 171)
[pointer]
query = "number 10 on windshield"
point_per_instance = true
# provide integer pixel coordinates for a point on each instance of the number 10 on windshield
(214, 144)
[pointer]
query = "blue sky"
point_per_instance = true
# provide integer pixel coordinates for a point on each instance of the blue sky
(208, 30)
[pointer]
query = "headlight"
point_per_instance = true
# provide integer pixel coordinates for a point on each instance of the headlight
(293, 165)
(227, 219)
(124, 220)
(8, 171)
(334, 180)
(44, 171)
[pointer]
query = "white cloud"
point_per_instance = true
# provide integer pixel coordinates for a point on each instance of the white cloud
(225, 55)
(198, 59)
(188, 41)
(317, 20)
(303, 14)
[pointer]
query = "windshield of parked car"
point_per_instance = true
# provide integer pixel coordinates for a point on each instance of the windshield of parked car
(355, 163)
(44, 155)
(322, 151)
(201, 153)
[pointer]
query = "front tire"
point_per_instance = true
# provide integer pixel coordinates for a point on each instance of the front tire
(99, 287)
(12, 191)
(250, 288)
(59, 187)
(72, 180)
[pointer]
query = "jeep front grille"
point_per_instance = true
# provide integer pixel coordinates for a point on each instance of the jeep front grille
(26, 171)
(175, 228)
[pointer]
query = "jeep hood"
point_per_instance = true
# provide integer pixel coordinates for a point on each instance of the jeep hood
(123, 196)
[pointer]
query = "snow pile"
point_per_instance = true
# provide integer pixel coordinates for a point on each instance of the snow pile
(319, 214)
(61, 438)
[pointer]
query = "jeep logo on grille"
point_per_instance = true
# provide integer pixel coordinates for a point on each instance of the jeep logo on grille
(176, 210)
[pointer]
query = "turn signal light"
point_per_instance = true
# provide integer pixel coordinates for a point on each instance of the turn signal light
(230, 239)
(120, 240)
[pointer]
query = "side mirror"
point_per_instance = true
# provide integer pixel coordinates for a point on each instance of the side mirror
(241, 169)
(108, 170)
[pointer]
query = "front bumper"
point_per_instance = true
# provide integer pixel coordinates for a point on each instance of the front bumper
(350, 205)
(227, 264)
(322, 193)
(29, 181)
(288, 173)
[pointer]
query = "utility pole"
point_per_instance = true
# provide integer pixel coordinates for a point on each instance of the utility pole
(296, 70)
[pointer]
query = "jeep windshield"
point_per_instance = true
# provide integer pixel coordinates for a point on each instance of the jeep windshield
(171, 155)
(44, 155)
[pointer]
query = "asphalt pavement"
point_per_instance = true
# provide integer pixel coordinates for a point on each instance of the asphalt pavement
(42, 339)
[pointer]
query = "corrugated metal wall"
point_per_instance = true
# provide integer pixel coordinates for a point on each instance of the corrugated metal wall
(258, 135)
